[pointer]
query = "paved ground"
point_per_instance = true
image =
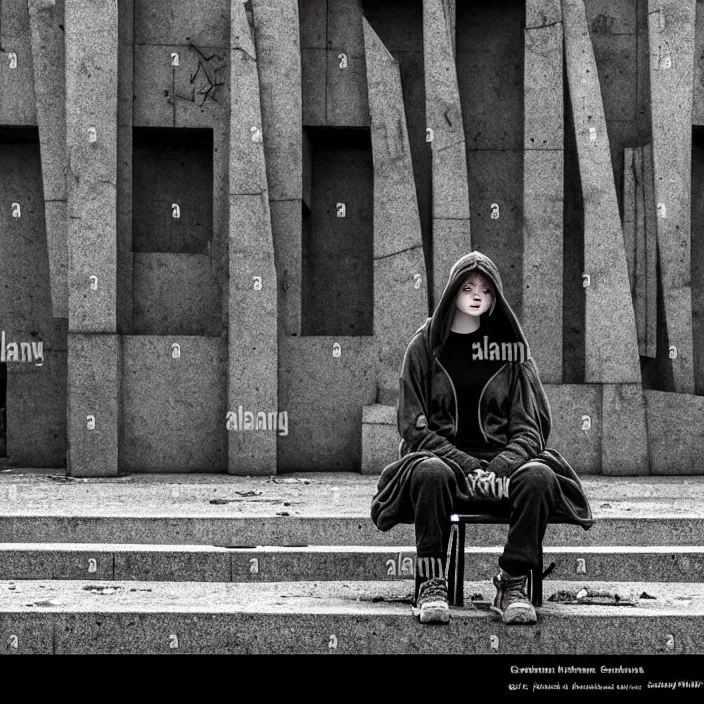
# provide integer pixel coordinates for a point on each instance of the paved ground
(673, 598)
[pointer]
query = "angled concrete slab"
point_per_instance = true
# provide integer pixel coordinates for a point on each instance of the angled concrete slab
(651, 254)
(277, 39)
(629, 213)
(543, 186)
(253, 306)
(611, 345)
(47, 37)
(543, 76)
(638, 282)
(396, 219)
(671, 26)
(542, 259)
(445, 129)
(400, 280)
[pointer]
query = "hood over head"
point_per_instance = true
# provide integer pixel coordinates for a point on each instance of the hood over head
(499, 322)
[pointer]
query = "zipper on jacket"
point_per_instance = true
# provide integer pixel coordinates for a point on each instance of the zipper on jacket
(454, 394)
(479, 405)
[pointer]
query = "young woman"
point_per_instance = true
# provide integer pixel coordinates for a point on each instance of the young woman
(474, 421)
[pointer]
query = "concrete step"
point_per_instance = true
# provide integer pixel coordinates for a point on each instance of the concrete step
(334, 617)
(186, 563)
(305, 509)
(643, 527)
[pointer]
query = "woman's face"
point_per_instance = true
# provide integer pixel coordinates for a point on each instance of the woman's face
(475, 295)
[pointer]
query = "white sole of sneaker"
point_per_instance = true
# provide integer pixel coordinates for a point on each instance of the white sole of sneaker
(519, 614)
(434, 613)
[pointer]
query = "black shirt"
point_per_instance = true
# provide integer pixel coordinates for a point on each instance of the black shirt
(465, 358)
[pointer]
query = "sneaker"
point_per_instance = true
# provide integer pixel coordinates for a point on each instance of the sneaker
(431, 605)
(511, 601)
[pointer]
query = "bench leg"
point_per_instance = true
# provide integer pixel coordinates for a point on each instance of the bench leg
(455, 566)
(536, 582)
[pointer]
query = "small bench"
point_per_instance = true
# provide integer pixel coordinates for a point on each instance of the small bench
(455, 550)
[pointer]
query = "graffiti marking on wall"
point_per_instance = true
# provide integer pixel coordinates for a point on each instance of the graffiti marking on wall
(206, 79)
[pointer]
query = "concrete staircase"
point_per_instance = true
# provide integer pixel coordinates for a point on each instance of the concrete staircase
(293, 564)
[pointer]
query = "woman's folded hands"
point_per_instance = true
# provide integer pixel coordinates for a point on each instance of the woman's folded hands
(486, 486)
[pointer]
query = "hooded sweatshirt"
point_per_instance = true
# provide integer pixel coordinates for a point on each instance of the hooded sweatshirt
(514, 418)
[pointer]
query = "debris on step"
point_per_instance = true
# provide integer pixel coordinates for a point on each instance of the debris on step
(5, 471)
(222, 502)
(584, 597)
(237, 547)
(645, 595)
(388, 599)
(249, 493)
(283, 513)
(605, 506)
(45, 602)
(100, 590)
(290, 480)
(140, 590)
(60, 478)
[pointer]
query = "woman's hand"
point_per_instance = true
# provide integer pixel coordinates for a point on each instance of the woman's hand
(486, 486)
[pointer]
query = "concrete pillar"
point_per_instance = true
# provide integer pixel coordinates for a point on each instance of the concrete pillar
(278, 45)
(671, 31)
(638, 281)
(451, 224)
(47, 37)
(611, 350)
(611, 345)
(651, 254)
(91, 51)
(400, 283)
(252, 334)
(543, 186)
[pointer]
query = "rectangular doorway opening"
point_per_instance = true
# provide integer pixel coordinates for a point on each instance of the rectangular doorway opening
(338, 233)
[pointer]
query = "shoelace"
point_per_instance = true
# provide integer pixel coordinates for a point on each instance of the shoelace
(514, 590)
(432, 589)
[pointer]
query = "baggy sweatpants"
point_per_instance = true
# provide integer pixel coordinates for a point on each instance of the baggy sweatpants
(532, 493)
